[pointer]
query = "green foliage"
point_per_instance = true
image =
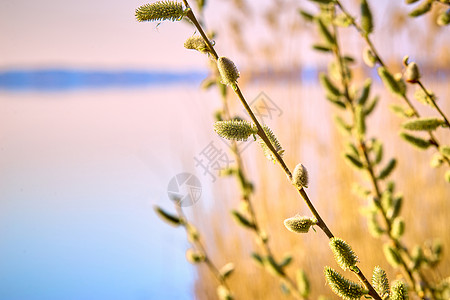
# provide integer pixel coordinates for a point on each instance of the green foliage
(387, 170)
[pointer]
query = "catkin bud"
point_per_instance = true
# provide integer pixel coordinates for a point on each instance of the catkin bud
(196, 43)
(160, 11)
(227, 70)
(399, 291)
(368, 57)
(380, 282)
(343, 287)
(397, 228)
(300, 176)
(343, 253)
(238, 130)
(412, 74)
(444, 18)
(299, 224)
(366, 17)
(194, 256)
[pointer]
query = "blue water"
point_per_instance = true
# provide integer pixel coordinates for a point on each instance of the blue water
(67, 79)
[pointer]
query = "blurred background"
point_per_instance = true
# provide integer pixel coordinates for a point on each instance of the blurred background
(98, 112)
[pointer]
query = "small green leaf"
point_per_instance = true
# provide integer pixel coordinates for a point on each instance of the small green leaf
(306, 15)
(325, 33)
(169, 218)
(342, 125)
(425, 124)
(365, 92)
(360, 121)
(401, 111)
(423, 8)
(388, 169)
(415, 141)
(328, 85)
(378, 151)
(241, 220)
(302, 283)
(257, 258)
(322, 48)
(366, 18)
(390, 82)
(354, 161)
(368, 109)
(286, 261)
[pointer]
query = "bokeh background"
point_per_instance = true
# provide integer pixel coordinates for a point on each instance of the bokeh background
(98, 112)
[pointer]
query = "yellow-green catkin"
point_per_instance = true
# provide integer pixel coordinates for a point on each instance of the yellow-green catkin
(238, 130)
(228, 71)
(343, 253)
(424, 124)
(299, 224)
(380, 282)
(392, 255)
(223, 293)
(302, 283)
(196, 42)
(275, 143)
(300, 176)
(343, 287)
(399, 291)
(160, 11)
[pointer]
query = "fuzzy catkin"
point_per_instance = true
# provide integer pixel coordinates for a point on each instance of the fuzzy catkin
(228, 71)
(300, 176)
(160, 11)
